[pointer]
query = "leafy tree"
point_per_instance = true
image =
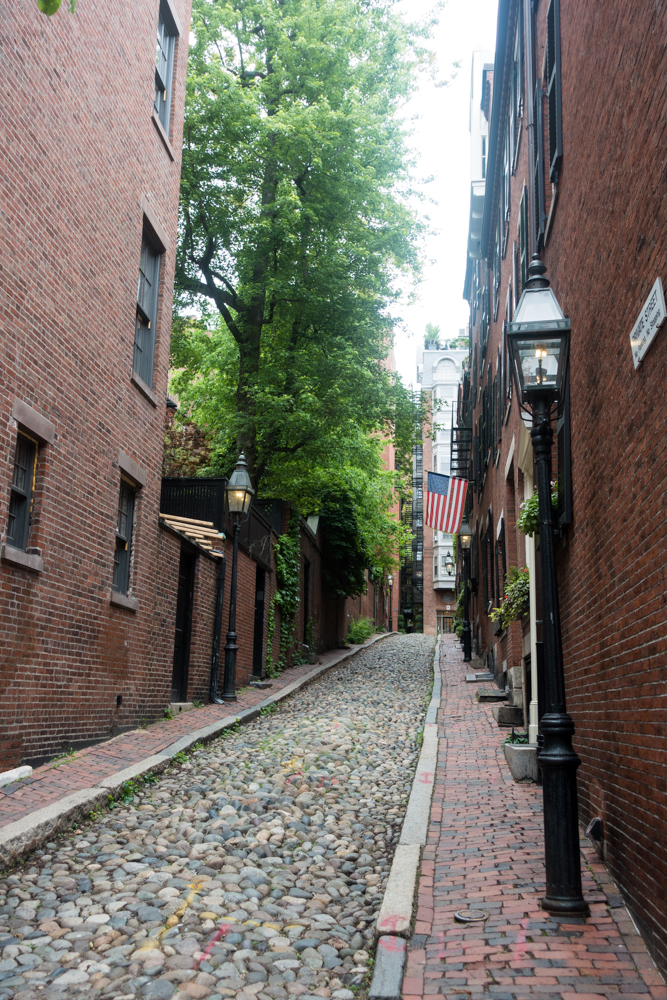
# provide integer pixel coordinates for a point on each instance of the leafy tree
(296, 228)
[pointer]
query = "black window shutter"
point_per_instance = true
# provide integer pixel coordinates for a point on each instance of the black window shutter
(564, 461)
(554, 89)
(538, 168)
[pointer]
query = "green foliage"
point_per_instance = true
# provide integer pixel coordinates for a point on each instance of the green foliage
(310, 634)
(227, 732)
(269, 709)
(360, 631)
(287, 555)
(296, 222)
(432, 334)
(49, 7)
(528, 520)
(516, 737)
(63, 758)
(169, 713)
(515, 599)
(298, 232)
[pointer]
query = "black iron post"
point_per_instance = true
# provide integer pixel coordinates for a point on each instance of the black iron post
(231, 646)
(217, 632)
(391, 610)
(467, 644)
(556, 758)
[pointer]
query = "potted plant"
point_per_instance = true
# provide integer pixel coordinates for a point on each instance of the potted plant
(521, 756)
(515, 599)
(528, 520)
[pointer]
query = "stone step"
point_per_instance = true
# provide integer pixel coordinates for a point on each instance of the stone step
(508, 715)
(479, 676)
(488, 694)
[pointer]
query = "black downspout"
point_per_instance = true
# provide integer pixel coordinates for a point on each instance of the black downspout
(217, 633)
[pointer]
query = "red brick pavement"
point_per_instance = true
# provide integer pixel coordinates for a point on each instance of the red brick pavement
(485, 850)
(87, 767)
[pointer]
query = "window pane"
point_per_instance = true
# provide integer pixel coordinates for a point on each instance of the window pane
(147, 293)
(20, 500)
(121, 561)
(23, 464)
(164, 62)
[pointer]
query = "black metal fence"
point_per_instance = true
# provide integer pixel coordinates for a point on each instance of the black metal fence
(204, 500)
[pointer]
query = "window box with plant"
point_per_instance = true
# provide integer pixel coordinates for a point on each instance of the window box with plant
(528, 520)
(515, 601)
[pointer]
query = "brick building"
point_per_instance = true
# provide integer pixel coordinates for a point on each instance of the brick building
(575, 171)
(439, 370)
(90, 139)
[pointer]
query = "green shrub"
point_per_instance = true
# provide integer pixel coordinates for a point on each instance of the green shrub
(360, 631)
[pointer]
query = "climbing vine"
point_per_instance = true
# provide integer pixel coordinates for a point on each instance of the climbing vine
(287, 553)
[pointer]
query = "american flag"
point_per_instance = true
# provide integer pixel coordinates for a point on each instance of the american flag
(445, 498)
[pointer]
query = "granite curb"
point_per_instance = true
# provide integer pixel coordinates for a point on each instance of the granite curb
(32, 830)
(395, 917)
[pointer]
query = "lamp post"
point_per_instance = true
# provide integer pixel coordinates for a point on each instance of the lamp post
(238, 496)
(390, 582)
(465, 538)
(538, 340)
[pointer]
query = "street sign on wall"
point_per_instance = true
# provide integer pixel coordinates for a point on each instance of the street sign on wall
(651, 318)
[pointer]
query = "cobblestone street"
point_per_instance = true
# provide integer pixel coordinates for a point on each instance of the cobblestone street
(254, 868)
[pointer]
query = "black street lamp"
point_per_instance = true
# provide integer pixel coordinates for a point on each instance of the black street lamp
(465, 540)
(538, 340)
(390, 581)
(238, 495)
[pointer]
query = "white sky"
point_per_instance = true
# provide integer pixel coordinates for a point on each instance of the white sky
(443, 143)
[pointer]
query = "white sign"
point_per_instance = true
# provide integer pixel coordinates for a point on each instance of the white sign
(650, 320)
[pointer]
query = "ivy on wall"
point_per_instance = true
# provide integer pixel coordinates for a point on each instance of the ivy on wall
(287, 551)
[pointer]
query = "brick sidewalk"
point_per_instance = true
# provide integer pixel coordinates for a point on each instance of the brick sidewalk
(486, 850)
(51, 782)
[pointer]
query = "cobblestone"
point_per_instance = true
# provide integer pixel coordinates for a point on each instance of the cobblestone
(253, 869)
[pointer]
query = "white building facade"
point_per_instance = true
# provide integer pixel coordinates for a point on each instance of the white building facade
(439, 370)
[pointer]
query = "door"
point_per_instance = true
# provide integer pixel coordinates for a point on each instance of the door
(444, 623)
(258, 640)
(185, 595)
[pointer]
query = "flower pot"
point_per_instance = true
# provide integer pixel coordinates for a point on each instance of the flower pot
(522, 760)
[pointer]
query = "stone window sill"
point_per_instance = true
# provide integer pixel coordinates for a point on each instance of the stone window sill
(144, 389)
(163, 135)
(20, 558)
(123, 601)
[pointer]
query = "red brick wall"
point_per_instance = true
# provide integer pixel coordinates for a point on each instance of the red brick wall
(612, 567)
(78, 152)
(606, 245)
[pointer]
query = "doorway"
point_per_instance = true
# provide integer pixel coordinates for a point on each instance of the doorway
(258, 639)
(184, 600)
(444, 623)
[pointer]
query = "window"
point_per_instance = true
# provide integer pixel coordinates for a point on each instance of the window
(516, 105)
(523, 240)
(123, 553)
(483, 157)
(554, 89)
(147, 293)
(23, 485)
(164, 65)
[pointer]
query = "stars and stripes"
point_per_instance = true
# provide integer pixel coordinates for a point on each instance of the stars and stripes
(445, 499)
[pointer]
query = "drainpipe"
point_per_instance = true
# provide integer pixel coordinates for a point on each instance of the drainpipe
(217, 633)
